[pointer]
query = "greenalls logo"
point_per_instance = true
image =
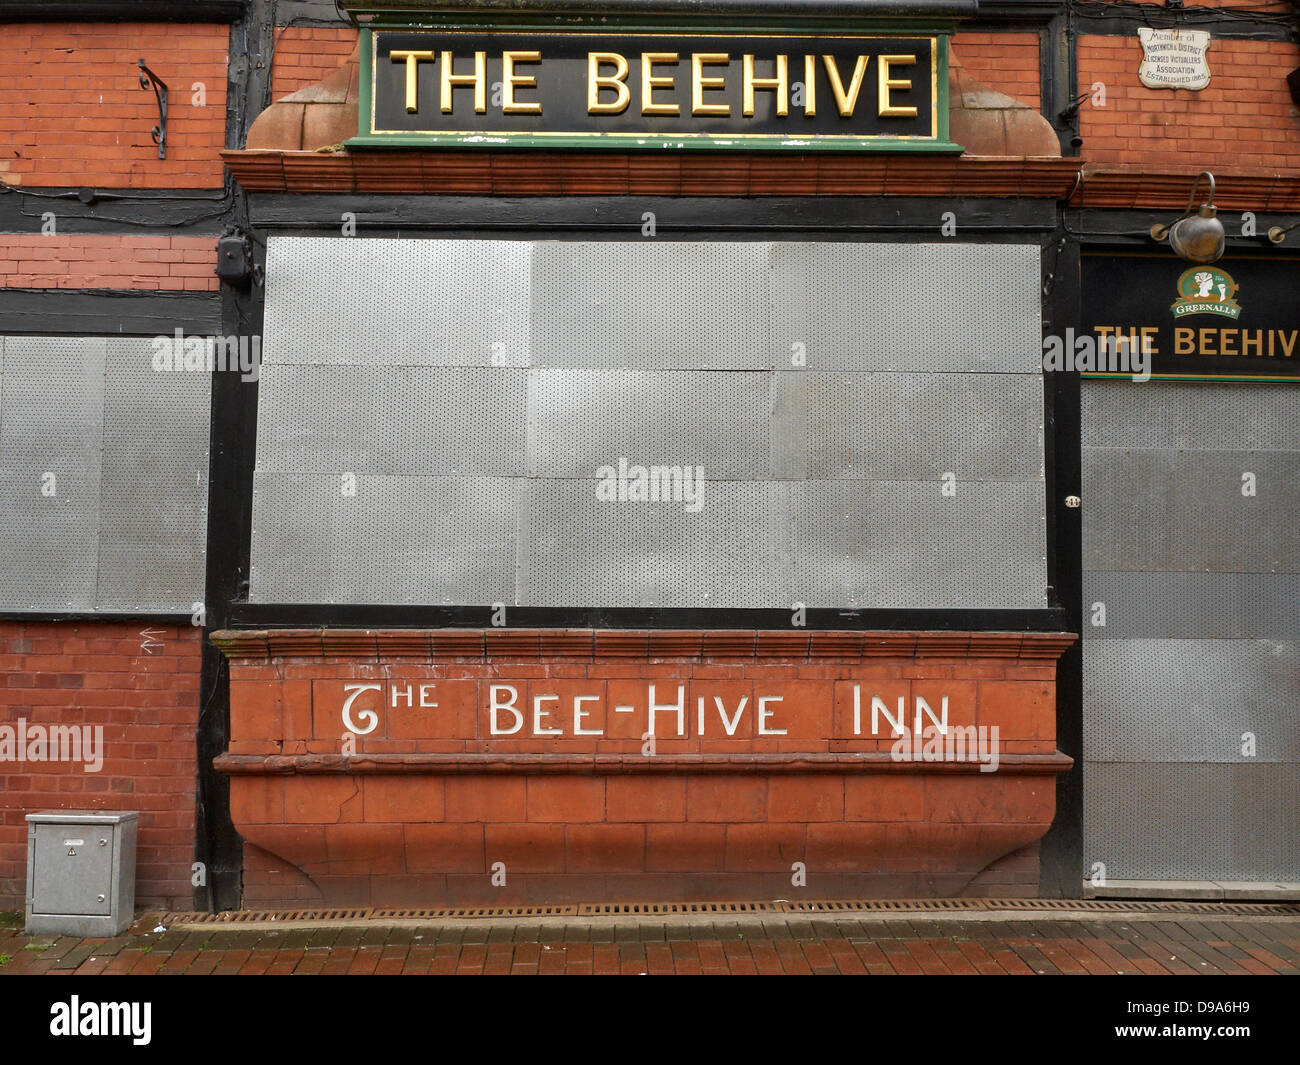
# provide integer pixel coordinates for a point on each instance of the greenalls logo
(1206, 290)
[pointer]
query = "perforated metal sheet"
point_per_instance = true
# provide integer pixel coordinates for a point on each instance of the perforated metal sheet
(1181, 414)
(1188, 568)
(125, 530)
(1190, 700)
(153, 484)
(585, 419)
(428, 420)
(1153, 509)
(1225, 606)
(54, 401)
(656, 352)
(1211, 821)
(52, 425)
(906, 544)
(581, 552)
(888, 426)
(354, 301)
(656, 304)
(944, 307)
(398, 540)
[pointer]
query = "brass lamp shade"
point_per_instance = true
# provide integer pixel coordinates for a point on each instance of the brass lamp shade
(1198, 238)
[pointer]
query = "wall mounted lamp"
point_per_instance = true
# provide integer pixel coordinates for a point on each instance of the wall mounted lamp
(1199, 237)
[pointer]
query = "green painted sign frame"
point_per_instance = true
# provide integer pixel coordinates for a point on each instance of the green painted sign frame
(937, 144)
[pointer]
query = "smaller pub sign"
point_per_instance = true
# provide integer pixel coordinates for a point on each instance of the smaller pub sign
(1155, 316)
(638, 89)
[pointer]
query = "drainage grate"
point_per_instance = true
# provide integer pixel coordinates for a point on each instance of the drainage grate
(473, 912)
(267, 916)
(901, 905)
(666, 909)
(1233, 909)
(619, 909)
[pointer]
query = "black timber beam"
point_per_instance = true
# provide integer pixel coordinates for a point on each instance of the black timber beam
(106, 312)
(218, 846)
(170, 212)
(762, 216)
(122, 11)
(257, 616)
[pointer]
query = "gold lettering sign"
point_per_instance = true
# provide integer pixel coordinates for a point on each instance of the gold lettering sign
(411, 58)
(846, 101)
(649, 83)
(646, 88)
(509, 104)
(699, 83)
(887, 84)
(478, 80)
(778, 84)
(616, 81)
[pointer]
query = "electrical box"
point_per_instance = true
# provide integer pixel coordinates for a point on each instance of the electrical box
(81, 872)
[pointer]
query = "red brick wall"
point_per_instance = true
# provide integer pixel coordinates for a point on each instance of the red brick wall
(1244, 120)
(95, 674)
(305, 54)
(29, 260)
(1007, 62)
(72, 111)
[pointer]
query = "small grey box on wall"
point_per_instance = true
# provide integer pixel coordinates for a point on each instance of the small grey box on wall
(81, 871)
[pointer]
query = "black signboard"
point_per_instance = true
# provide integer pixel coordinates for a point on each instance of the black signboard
(1236, 319)
(642, 89)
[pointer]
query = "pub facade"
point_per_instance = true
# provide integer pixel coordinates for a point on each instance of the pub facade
(664, 453)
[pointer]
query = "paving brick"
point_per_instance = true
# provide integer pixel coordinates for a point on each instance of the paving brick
(633, 945)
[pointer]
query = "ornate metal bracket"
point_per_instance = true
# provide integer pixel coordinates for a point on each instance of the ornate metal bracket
(150, 80)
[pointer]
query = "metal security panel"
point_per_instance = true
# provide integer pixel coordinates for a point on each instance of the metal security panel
(662, 305)
(1160, 414)
(580, 550)
(50, 440)
(942, 307)
(585, 419)
(399, 419)
(1157, 509)
(351, 302)
(153, 484)
(1189, 606)
(1192, 821)
(893, 426)
(1191, 665)
(906, 544)
(441, 540)
(901, 470)
(103, 477)
(1191, 700)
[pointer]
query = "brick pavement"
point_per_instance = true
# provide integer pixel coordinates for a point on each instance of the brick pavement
(991, 943)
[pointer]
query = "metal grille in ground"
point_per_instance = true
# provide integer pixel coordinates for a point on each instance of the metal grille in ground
(869, 907)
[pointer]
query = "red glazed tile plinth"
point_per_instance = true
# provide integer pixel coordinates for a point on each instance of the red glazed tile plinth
(509, 766)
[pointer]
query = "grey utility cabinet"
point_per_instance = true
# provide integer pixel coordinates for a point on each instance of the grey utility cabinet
(81, 871)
